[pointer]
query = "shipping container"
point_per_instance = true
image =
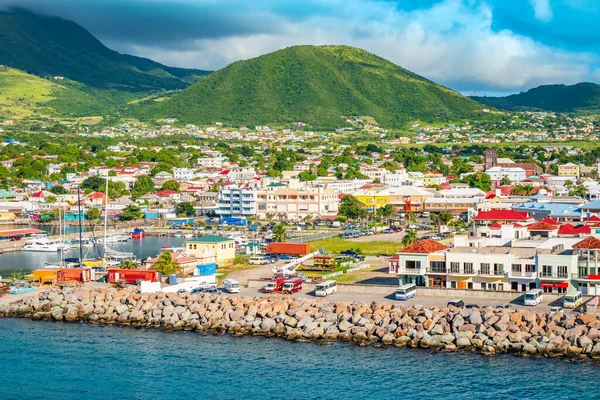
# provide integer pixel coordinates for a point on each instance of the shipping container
(74, 274)
(45, 275)
(206, 269)
(132, 275)
(297, 249)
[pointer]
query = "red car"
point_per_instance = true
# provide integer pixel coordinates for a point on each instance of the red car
(274, 285)
(15, 238)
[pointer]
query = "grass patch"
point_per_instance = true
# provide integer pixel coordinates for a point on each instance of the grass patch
(375, 248)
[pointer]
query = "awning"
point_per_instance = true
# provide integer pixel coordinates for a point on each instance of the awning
(543, 284)
(562, 285)
(594, 277)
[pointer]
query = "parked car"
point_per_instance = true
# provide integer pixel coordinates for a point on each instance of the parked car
(472, 306)
(505, 305)
(284, 257)
(556, 310)
(388, 230)
(349, 252)
(213, 290)
(182, 291)
(456, 303)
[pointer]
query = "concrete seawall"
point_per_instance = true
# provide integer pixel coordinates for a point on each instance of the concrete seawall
(449, 329)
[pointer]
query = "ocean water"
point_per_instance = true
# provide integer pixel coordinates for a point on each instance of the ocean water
(44, 360)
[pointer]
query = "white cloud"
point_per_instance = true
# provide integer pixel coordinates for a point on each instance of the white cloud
(542, 9)
(452, 43)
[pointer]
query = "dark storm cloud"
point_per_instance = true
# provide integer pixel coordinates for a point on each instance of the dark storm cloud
(161, 23)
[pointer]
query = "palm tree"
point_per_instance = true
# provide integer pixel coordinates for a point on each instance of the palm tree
(166, 265)
(410, 237)
(279, 233)
(127, 264)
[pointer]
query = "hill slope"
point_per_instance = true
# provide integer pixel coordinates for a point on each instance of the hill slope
(24, 95)
(49, 46)
(315, 85)
(583, 96)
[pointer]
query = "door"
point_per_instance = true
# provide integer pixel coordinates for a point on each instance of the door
(523, 288)
(514, 286)
(462, 285)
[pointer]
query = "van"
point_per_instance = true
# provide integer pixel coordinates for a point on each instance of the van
(573, 300)
(293, 285)
(258, 260)
(231, 286)
(325, 288)
(533, 297)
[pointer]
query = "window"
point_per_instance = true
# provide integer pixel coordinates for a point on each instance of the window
(468, 268)
(453, 284)
(562, 271)
(411, 264)
(530, 268)
(454, 267)
(498, 269)
(485, 268)
(516, 268)
(438, 266)
(546, 270)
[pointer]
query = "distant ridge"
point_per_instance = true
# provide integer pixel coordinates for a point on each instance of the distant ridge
(580, 97)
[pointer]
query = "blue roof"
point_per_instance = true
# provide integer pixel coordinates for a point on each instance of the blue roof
(554, 209)
(591, 206)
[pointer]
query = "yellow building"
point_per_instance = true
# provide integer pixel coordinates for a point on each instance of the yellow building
(568, 169)
(373, 196)
(223, 249)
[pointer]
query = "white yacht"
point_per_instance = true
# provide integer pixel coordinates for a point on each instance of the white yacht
(42, 245)
(116, 238)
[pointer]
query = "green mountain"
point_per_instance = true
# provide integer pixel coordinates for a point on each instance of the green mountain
(316, 85)
(50, 46)
(582, 97)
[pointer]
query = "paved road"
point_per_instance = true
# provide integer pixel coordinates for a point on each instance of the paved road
(421, 300)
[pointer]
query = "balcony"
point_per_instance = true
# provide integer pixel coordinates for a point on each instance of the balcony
(586, 277)
(522, 274)
(461, 271)
(437, 270)
(553, 275)
(411, 271)
(492, 273)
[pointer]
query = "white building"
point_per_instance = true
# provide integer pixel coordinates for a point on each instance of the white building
(183, 174)
(515, 175)
(236, 202)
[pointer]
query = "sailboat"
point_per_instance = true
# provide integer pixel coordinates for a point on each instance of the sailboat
(112, 257)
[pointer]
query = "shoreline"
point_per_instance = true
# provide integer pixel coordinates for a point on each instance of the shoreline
(486, 331)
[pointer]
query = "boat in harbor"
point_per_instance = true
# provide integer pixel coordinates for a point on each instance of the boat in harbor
(116, 238)
(173, 249)
(138, 233)
(42, 245)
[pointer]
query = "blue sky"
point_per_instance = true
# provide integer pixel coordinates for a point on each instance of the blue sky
(496, 46)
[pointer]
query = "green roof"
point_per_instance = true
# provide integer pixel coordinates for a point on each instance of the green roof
(211, 239)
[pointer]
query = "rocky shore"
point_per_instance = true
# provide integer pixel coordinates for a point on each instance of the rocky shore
(487, 330)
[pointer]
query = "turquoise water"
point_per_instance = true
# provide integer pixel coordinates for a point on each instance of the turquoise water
(43, 360)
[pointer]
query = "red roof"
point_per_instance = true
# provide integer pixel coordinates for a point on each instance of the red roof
(424, 247)
(590, 243)
(568, 229)
(501, 215)
(542, 226)
(95, 195)
(496, 225)
(37, 194)
(593, 218)
(551, 221)
(163, 193)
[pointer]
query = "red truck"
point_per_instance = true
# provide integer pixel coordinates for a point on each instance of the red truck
(292, 285)
(293, 249)
(274, 285)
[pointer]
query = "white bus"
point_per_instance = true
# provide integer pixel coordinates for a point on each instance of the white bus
(533, 297)
(231, 286)
(407, 291)
(572, 300)
(325, 288)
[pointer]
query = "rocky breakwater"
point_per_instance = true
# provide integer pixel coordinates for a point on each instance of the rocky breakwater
(486, 330)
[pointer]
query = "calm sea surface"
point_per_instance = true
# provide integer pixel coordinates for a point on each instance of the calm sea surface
(43, 360)
(28, 261)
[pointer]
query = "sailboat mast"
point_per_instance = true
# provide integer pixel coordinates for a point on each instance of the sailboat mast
(105, 221)
(80, 227)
